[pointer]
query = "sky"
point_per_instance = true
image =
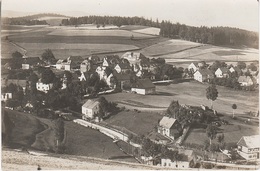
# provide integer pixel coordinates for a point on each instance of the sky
(234, 13)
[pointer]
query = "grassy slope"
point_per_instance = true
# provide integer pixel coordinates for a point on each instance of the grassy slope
(141, 123)
(24, 129)
(32, 132)
(88, 142)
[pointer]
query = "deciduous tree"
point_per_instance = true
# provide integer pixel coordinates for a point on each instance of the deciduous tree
(234, 107)
(212, 93)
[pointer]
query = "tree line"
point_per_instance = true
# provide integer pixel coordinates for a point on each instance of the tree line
(14, 21)
(208, 35)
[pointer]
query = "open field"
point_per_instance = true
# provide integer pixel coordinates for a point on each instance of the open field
(141, 123)
(66, 41)
(37, 133)
(211, 53)
(85, 32)
(232, 132)
(168, 47)
(149, 30)
(194, 93)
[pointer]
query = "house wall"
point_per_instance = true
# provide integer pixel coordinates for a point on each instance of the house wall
(59, 66)
(175, 164)
(249, 153)
(89, 113)
(6, 96)
(138, 91)
(197, 76)
(67, 67)
(25, 66)
(150, 91)
(43, 87)
(193, 67)
(84, 67)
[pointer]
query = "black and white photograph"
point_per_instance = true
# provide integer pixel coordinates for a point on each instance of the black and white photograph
(130, 85)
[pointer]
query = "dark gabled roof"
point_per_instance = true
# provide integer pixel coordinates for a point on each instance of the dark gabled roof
(90, 104)
(76, 58)
(5, 60)
(32, 60)
(124, 66)
(7, 82)
(224, 70)
(144, 84)
(205, 72)
(121, 76)
(237, 69)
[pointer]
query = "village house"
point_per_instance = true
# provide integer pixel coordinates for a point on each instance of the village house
(122, 79)
(133, 57)
(245, 81)
(122, 67)
(222, 73)
(101, 72)
(249, 147)
(21, 83)
(72, 62)
(235, 69)
(203, 75)
(30, 62)
(144, 87)
(187, 159)
(6, 96)
(84, 76)
(256, 78)
(85, 65)
(170, 127)
(40, 86)
(90, 109)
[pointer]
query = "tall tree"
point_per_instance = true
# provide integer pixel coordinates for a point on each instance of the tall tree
(47, 76)
(211, 132)
(48, 56)
(16, 62)
(234, 107)
(212, 93)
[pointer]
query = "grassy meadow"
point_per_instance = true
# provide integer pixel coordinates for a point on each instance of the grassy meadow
(192, 93)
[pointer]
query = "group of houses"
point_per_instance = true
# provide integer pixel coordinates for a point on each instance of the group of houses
(110, 68)
(204, 74)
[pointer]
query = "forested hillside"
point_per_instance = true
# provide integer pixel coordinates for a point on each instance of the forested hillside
(209, 35)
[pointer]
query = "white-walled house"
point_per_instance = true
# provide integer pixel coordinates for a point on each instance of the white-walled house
(245, 81)
(249, 147)
(170, 127)
(203, 75)
(6, 96)
(85, 65)
(122, 67)
(188, 158)
(144, 86)
(90, 109)
(222, 73)
(193, 67)
(43, 87)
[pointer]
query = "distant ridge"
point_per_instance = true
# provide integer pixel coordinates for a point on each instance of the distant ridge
(41, 15)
